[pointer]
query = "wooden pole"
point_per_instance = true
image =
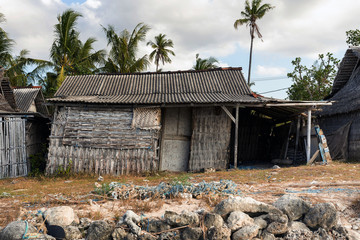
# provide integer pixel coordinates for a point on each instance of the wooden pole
(308, 145)
(236, 136)
(287, 141)
(297, 136)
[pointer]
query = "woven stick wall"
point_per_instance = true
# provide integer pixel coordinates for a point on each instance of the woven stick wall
(101, 141)
(13, 162)
(210, 139)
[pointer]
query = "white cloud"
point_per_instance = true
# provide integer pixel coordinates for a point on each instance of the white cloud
(93, 3)
(270, 71)
(294, 28)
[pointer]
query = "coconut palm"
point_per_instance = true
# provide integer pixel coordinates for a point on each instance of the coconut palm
(207, 63)
(15, 66)
(124, 47)
(6, 43)
(16, 71)
(68, 54)
(250, 15)
(161, 52)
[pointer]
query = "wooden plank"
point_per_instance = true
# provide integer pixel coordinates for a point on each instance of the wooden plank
(313, 157)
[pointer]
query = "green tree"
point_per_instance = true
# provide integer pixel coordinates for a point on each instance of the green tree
(69, 55)
(207, 63)
(16, 68)
(250, 15)
(124, 48)
(49, 84)
(161, 50)
(313, 83)
(6, 44)
(353, 37)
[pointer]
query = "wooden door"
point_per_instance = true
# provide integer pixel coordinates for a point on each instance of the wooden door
(176, 137)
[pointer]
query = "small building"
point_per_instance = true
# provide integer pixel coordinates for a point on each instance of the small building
(175, 121)
(24, 127)
(341, 121)
(30, 100)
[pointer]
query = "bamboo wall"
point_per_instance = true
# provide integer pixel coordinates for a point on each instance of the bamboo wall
(13, 162)
(100, 141)
(210, 139)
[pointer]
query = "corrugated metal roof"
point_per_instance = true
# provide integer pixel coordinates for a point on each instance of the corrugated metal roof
(25, 96)
(210, 86)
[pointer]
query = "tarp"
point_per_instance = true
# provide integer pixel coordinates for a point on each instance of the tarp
(338, 142)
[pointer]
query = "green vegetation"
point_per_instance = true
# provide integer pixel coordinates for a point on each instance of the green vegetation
(68, 53)
(63, 171)
(161, 50)
(207, 63)
(313, 83)
(353, 37)
(124, 48)
(38, 162)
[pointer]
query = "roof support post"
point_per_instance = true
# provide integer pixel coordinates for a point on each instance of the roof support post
(297, 136)
(308, 145)
(236, 137)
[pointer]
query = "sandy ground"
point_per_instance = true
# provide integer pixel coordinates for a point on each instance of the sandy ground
(345, 195)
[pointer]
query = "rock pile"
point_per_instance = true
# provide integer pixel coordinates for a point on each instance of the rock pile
(235, 218)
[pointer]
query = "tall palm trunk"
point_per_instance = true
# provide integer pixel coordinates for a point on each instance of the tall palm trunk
(251, 47)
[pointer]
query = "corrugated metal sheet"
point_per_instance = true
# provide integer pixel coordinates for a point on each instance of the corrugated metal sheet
(210, 86)
(28, 95)
(24, 97)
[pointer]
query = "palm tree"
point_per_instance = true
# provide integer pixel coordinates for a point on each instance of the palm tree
(16, 68)
(68, 54)
(161, 51)
(207, 63)
(250, 15)
(6, 43)
(124, 47)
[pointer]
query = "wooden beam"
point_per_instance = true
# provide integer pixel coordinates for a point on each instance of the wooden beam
(228, 113)
(313, 157)
(236, 137)
(307, 104)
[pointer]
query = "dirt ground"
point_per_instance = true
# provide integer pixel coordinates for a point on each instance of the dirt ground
(338, 183)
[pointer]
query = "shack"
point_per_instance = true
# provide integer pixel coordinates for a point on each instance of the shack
(175, 121)
(24, 127)
(341, 121)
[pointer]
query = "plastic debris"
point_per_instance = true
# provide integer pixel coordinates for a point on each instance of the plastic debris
(325, 190)
(167, 190)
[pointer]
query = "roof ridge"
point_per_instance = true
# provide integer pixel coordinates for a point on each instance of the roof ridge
(165, 72)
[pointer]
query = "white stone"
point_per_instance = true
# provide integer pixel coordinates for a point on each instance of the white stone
(61, 216)
(238, 219)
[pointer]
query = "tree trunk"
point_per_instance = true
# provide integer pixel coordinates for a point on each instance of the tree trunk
(250, 58)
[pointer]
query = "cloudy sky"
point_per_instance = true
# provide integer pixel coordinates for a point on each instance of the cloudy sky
(292, 29)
